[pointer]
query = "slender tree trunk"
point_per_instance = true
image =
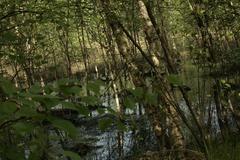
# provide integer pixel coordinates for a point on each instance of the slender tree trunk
(124, 49)
(208, 45)
(154, 49)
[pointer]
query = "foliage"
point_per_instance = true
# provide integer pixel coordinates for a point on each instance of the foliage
(54, 50)
(26, 121)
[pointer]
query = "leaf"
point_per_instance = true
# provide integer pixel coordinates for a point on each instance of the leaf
(75, 90)
(27, 111)
(15, 153)
(22, 127)
(110, 110)
(105, 123)
(46, 100)
(63, 81)
(7, 87)
(35, 89)
(83, 110)
(34, 154)
(68, 89)
(8, 37)
(64, 125)
(72, 155)
(27, 102)
(100, 110)
(69, 105)
(94, 87)
(129, 103)
(42, 97)
(7, 107)
(175, 79)
(91, 100)
(66, 82)
(151, 98)
(121, 126)
(137, 92)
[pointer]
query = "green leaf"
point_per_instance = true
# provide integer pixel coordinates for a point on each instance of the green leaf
(121, 126)
(69, 105)
(175, 79)
(8, 37)
(22, 128)
(69, 90)
(105, 123)
(27, 111)
(46, 100)
(83, 110)
(15, 153)
(35, 89)
(75, 90)
(137, 92)
(64, 125)
(72, 155)
(101, 110)
(91, 100)
(94, 87)
(7, 107)
(151, 98)
(112, 111)
(35, 153)
(129, 103)
(63, 81)
(66, 82)
(42, 97)
(7, 87)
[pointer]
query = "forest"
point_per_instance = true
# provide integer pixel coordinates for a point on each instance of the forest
(119, 79)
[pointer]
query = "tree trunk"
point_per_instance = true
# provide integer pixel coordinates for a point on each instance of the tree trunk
(152, 38)
(123, 47)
